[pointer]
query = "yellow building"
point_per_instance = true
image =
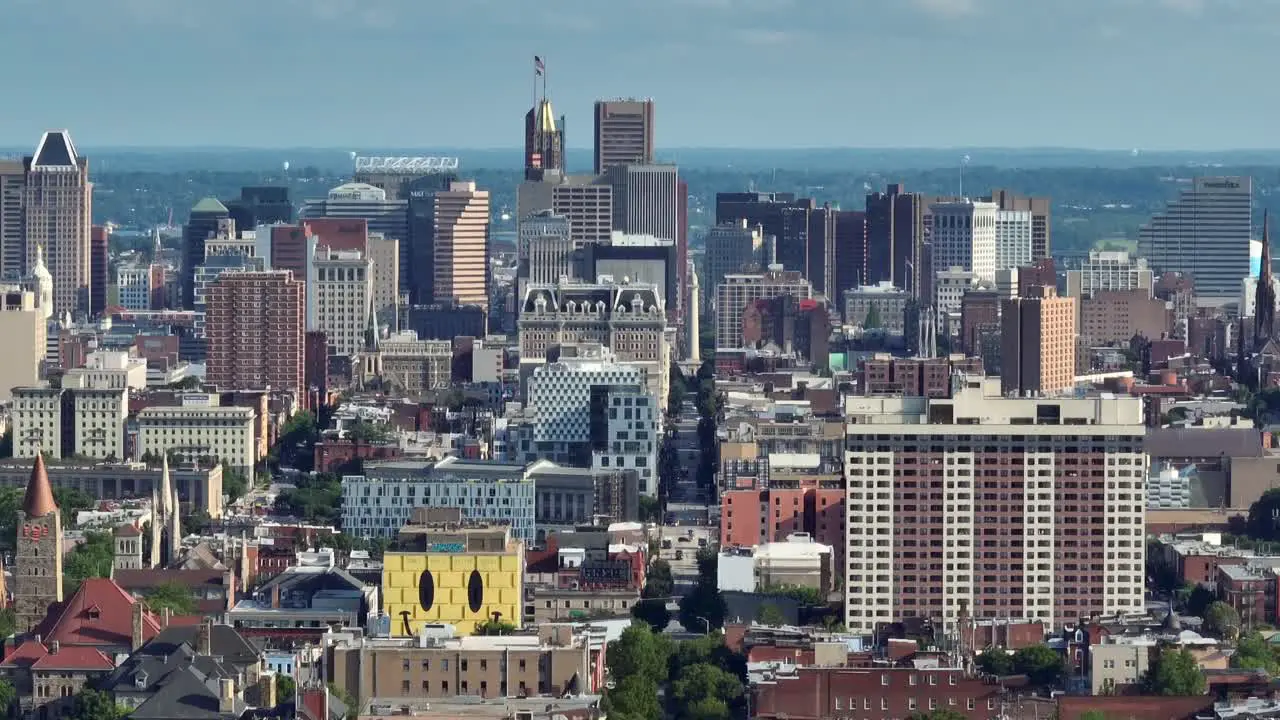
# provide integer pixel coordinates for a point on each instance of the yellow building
(458, 588)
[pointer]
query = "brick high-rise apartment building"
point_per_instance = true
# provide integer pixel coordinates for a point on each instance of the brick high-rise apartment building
(255, 325)
(994, 507)
(1038, 342)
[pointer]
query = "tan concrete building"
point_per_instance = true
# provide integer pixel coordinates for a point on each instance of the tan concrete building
(198, 431)
(340, 298)
(1113, 317)
(585, 200)
(551, 604)
(384, 252)
(256, 322)
(23, 328)
(36, 419)
(437, 665)
(462, 245)
(1037, 342)
(1114, 667)
(57, 216)
(624, 133)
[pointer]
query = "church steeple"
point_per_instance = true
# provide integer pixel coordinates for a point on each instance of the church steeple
(39, 502)
(38, 555)
(1265, 296)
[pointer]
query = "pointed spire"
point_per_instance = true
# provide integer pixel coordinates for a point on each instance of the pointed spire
(166, 487)
(39, 498)
(1264, 274)
(153, 559)
(175, 531)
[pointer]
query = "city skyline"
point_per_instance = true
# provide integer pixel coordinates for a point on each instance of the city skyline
(1095, 74)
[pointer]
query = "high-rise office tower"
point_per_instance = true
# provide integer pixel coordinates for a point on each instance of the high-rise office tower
(964, 236)
(1039, 207)
(255, 324)
(646, 200)
(624, 133)
(1015, 233)
(737, 291)
(585, 200)
(1205, 234)
(58, 210)
(99, 262)
(1037, 342)
(895, 238)
(780, 215)
(340, 298)
(850, 251)
(730, 249)
(385, 254)
(260, 206)
(543, 140)
(417, 252)
(201, 225)
(13, 184)
(462, 245)
(820, 250)
(23, 327)
(383, 214)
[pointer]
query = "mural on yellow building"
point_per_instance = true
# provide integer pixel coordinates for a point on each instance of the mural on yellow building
(460, 589)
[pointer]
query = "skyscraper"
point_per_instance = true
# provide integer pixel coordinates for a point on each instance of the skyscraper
(58, 211)
(895, 235)
(260, 206)
(780, 215)
(1204, 233)
(99, 262)
(624, 133)
(201, 225)
(13, 184)
(850, 250)
(1037, 342)
(255, 323)
(646, 200)
(543, 140)
(1264, 303)
(462, 245)
(964, 236)
(1039, 207)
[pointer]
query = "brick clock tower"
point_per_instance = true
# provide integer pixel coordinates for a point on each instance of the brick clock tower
(37, 573)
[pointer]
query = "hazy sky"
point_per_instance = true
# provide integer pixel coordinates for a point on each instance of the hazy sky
(1155, 74)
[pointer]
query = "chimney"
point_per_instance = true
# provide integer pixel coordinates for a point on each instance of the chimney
(267, 691)
(136, 638)
(54, 647)
(226, 696)
(204, 639)
(275, 596)
(166, 616)
(229, 584)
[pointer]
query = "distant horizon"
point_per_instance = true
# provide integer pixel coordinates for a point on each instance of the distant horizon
(665, 150)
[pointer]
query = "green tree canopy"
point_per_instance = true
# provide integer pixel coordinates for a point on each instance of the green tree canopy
(653, 612)
(1199, 600)
(769, 614)
(494, 626)
(1253, 652)
(92, 558)
(1221, 619)
(1040, 663)
(635, 697)
(8, 696)
(176, 597)
(705, 692)
(638, 652)
(286, 688)
(1264, 516)
(70, 502)
(1174, 672)
(806, 596)
(995, 661)
(90, 704)
(658, 581)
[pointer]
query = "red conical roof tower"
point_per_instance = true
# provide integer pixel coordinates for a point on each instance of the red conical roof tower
(39, 499)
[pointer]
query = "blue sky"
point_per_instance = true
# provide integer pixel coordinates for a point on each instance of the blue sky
(1154, 74)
